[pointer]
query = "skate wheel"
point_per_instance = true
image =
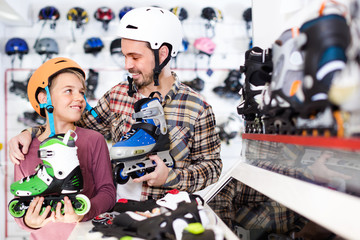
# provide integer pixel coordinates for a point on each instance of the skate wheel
(85, 204)
(12, 207)
(118, 174)
(141, 172)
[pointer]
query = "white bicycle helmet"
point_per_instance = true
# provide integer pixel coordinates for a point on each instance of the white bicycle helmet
(154, 25)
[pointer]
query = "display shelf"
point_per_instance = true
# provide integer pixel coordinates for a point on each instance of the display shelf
(314, 176)
(329, 142)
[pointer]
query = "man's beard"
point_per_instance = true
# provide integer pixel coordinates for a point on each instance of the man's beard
(146, 81)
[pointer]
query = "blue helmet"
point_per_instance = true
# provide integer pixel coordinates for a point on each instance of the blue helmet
(124, 10)
(93, 45)
(16, 46)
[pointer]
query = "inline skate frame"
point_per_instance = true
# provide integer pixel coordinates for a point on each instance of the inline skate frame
(148, 136)
(58, 176)
(257, 69)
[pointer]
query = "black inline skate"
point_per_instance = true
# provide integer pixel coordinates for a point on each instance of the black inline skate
(257, 69)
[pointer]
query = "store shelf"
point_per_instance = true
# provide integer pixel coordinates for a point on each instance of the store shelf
(351, 144)
(278, 167)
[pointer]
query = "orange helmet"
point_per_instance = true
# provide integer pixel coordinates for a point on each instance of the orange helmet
(40, 78)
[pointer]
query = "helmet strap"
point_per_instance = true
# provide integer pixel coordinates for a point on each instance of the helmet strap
(92, 111)
(158, 66)
(49, 108)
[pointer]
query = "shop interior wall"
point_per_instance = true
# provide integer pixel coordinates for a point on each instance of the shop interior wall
(231, 39)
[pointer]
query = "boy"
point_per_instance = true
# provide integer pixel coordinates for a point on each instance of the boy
(58, 86)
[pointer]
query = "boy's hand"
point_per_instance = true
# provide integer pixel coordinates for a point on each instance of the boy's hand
(69, 214)
(33, 218)
(22, 141)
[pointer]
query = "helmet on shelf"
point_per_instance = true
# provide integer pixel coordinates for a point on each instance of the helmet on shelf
(46, 46)
(104, 15)
(124, 10)
(93, 45)
(115, 46)
(49, 13)
(212, 14)
(78, 15)
(205, 45)
(180, 12)
(16, 46)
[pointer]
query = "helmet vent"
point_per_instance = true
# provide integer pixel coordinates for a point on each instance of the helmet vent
(131, 27)
(61, 61)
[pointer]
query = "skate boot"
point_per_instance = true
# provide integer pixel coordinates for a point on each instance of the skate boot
(19, 88)
(327, 38)
(231, 128)
(345, 88)
(31, 119)
(91, 84)
(283, 96)
(148, 136)
(232, 85)
(197, 84)
(257, 69)
(57, 177)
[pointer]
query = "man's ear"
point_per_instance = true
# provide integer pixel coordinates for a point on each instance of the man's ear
(163, 53)
(42, 97)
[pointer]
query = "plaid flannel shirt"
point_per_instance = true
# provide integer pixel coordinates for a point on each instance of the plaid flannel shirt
(195, 146)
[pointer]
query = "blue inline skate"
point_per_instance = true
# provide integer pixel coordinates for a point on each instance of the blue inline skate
(148, 136)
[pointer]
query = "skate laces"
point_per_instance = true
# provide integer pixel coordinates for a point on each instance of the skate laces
(128, 134)
(334, 7)
(38, 170)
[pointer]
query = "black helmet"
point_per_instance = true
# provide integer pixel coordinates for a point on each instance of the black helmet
(115, 46)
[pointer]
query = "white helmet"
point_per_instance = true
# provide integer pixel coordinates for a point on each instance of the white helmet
(154, 25)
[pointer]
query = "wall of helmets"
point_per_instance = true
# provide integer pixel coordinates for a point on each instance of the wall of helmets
(216, 36)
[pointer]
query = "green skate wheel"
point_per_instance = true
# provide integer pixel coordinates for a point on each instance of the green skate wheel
(13, 212)
(85, 204)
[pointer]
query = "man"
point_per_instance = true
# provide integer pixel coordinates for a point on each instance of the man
(150, 37)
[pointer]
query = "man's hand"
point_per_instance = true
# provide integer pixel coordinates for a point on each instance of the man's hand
(19, 146)
(69, 215)
(158, 176)
(33, 218)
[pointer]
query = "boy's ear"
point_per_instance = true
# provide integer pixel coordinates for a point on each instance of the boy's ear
(42, 97)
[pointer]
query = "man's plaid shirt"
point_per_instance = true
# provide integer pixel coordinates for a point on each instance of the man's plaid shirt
(195, 146)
